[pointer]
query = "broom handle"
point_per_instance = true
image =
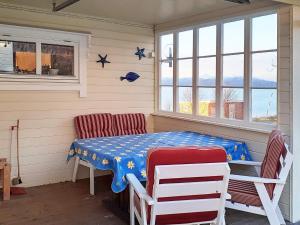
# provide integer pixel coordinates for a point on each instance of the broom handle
(18, 159)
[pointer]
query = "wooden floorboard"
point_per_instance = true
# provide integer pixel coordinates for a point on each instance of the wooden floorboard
(70, 204)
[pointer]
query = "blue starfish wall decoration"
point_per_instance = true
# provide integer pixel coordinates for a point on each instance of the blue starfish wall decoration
(140, 53)
(102, 60)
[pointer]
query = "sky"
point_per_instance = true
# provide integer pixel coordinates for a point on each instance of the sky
(264, 37)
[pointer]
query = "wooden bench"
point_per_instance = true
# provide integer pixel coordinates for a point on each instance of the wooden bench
(5, 177)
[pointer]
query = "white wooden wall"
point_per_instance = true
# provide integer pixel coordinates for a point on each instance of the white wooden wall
(295, 95)
(256, 140)
(46, 116)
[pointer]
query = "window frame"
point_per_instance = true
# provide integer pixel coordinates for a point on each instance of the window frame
(218, 119)
(39, 81)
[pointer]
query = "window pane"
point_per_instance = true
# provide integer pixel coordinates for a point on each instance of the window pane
(233, 37)
(166, 98)
(264, 105)
(207, 71)
(233, 70)
(264, 32)
(57, 60)
(207, 40)
(185, 72)
(207, 101)
(17, 57)
(185, 42)
(166, 74)
(264, 70)
(166, 46)
(185, 100)
(233, 103)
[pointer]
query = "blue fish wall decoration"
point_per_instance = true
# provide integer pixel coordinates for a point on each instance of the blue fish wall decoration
(130, 77)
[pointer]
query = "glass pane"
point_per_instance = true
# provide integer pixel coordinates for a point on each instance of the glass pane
(185, 100)
(57, 60)
(264, 70)
(166, 46)
(264, 105)
(185, 42)
(233, 100)
(207, 40)
(166, 98)
(264, 32)
(233, 70)
(185, 72)
(17, 57)
(233, 37)
(166, 74)
(207, 102)
(207, 71)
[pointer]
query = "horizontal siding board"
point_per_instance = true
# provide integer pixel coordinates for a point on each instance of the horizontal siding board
(46, 117)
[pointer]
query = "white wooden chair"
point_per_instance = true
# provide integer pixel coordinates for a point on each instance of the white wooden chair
(181, 193)
(260, 195)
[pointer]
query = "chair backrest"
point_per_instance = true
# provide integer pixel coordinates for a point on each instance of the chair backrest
(189, 184)
(131, 123)
(277, 161)
(94, 125)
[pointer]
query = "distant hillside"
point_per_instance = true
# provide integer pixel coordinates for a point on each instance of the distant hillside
(227, 82)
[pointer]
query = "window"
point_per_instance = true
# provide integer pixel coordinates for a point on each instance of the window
(57, 60)
(206, 82)
(264, 69)
(185, 72)
(224, 72)
(166, 73)
(41, 59)
(17, 57)
(233, 70)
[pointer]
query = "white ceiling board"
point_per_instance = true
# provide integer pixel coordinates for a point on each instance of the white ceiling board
(292, 2)
(141, 11)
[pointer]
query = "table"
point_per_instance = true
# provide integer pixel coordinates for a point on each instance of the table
(127, 154)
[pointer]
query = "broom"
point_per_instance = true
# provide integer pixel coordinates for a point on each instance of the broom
(17, 180)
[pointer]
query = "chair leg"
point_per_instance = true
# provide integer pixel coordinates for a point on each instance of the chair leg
(75, 169)
(223, 220)
(267, 204)
(92, 182)
(280, 216)
(131, 202)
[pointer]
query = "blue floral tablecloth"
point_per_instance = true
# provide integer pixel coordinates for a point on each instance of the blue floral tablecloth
(127, 154)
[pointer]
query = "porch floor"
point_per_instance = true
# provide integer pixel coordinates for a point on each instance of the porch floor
(70, 203)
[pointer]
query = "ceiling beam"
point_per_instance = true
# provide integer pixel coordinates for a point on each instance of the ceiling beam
(292, 2)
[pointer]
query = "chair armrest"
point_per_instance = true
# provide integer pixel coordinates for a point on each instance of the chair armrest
(245, 163)
(256, 179)
(139, 189)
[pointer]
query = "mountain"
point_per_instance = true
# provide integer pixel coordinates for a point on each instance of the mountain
(231, 81)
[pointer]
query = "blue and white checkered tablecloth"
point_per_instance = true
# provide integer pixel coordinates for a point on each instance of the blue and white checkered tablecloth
(127, 154)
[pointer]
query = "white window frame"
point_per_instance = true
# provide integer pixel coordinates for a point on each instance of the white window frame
(38, 81)
(247, 123)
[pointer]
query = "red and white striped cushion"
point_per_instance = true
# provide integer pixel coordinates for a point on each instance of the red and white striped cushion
(273, 134)
(131, 123)
(243, 192)
(271, 164)
(94, 125)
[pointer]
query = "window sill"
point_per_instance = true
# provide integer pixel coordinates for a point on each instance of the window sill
(36, 78)
(241, 125)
